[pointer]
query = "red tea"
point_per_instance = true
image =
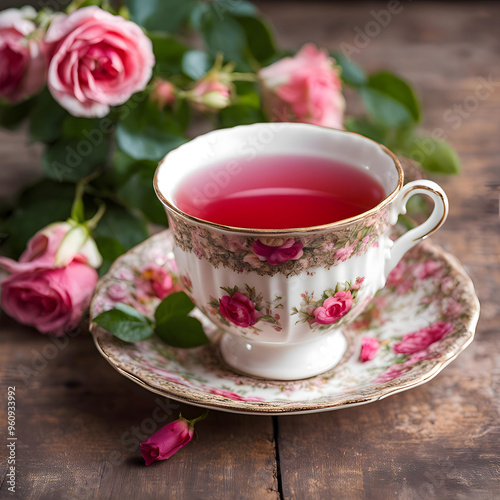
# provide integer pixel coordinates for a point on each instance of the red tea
(278, 192)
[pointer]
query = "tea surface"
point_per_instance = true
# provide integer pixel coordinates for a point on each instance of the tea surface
(278, 192)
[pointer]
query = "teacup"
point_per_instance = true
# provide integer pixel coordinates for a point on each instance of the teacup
(282, 296)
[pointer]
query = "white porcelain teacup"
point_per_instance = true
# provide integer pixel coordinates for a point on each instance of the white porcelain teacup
(281, 296)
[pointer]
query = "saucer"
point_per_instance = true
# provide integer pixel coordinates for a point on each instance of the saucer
(428, 291)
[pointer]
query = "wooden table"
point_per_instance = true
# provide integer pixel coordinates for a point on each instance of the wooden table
(79, 422)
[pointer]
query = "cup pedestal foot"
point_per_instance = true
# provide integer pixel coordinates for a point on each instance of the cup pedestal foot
(283, 362)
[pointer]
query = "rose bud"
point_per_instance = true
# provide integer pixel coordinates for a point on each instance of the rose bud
(210, 94)
(305, 88)
(169, 439)
(163, 93)
(23, 62)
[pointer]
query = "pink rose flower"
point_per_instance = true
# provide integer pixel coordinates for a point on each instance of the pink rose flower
(233, 395)
(154, 281)
(333, 308)
(274, 255)
(41, 294)
(305, 88)
(423, 338)
(51, 300)
(239, 310)
(23, 61)
(169, 439)
(429, 268)
(369, 349)
(99, 61)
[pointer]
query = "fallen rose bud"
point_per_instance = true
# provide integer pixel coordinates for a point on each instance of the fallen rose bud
(169, 439)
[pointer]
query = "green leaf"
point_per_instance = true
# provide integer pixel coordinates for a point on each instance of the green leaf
(260, 40)
(73, 159)
(118, 223)
(390, 100)
(76, 126)
(168, 53)
(435, 155)
(138, 192)
(351, 74)
(196, 64)
(12, 115)
(110, 249)
(161, 15)
(223, 35)
(182, 331)
(46, 119)
(146, 133)
(237, 8)
(176, 304)
(367, 128)
(125, 323)
(240, 114)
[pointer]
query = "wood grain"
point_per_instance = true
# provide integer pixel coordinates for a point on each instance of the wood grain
(439, 441)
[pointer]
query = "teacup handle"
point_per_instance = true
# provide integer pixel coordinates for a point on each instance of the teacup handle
(433, 223)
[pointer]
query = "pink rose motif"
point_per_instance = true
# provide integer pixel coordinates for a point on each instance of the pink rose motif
(274, 255)
(99, 60)
(342, 254)
(23, 61)
(233, 395)
(169, 439)
(453, 308)
(423, 338)
(369, 349)
(239, 310)
(305, 88)
(358, 283)
(51, 300)
(429, 268)
(154, 281)
(391, 373)
(333, 308)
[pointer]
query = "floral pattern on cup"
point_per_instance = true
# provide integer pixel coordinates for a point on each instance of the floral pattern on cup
(330, 308)
(245, 308)
(272, 255)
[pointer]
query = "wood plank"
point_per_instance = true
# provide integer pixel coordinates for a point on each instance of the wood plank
(79, 424)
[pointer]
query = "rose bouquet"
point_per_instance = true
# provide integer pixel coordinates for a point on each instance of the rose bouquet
(110, 92)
